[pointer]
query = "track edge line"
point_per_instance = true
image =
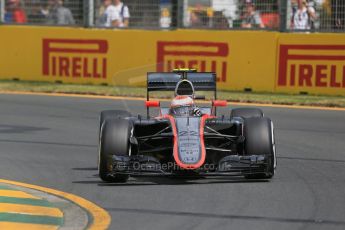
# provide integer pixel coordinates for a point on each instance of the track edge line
(143, 99)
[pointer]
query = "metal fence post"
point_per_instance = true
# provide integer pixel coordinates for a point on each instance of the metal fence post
(180, 13)
(283, 15)
(177, 13)
(88, 13)
(174, 14)
(91, 12)
(2, 11)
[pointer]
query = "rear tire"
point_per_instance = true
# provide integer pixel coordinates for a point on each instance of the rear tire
(259, 140)
(246, 112)
(114, 140)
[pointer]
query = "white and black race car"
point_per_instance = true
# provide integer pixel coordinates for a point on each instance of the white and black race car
(184, 139)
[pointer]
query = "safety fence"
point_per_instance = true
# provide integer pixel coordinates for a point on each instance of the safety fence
(276, 15)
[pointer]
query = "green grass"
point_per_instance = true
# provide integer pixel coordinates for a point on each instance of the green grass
(251, 97)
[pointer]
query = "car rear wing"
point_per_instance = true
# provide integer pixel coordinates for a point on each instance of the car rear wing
(204, 81)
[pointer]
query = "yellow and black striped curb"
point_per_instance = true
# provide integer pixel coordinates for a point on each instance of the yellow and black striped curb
(26, 206)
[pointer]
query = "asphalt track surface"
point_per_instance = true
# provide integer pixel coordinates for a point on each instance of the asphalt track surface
(52, 141)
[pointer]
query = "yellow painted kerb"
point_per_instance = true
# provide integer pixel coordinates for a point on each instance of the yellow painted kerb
(101, 218)
(30, 210)
(26, 226)
(16, 194)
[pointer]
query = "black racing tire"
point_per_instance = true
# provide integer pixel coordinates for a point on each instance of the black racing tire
(259, 140)
(246, 112)
(114, 140)
(108, 114)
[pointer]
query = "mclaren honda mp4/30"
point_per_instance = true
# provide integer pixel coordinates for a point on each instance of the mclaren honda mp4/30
(184, 139)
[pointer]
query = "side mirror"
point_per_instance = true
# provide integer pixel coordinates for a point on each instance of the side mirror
(219, 103)
(152, 104)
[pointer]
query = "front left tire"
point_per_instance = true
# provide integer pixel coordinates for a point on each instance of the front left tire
(114, 140)
(109, 114)
(259, 140)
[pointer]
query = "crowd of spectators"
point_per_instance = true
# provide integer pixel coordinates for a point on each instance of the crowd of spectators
(51, 12)
(302, 15)
(14, 13)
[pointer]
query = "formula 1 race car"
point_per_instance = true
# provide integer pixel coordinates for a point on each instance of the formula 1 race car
(184, 139)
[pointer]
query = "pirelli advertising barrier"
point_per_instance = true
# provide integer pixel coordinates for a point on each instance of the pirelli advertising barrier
(313, 63)
(259, 61)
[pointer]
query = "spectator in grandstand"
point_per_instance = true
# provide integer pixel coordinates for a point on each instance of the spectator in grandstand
(199, 16)
(109, 16)
(60, 15)
(39, 13)
(303, 16)
(165, 19)
(123, 12)
(220, 21)
(225, 10)
(14, 12)
(311, 6)
(294, 6)
(251, 17)
(196, 19)
(338, 14)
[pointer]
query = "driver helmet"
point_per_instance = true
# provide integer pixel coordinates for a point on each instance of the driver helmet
(182, 105)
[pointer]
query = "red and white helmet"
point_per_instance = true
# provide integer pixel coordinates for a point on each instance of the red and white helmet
(180, 101)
